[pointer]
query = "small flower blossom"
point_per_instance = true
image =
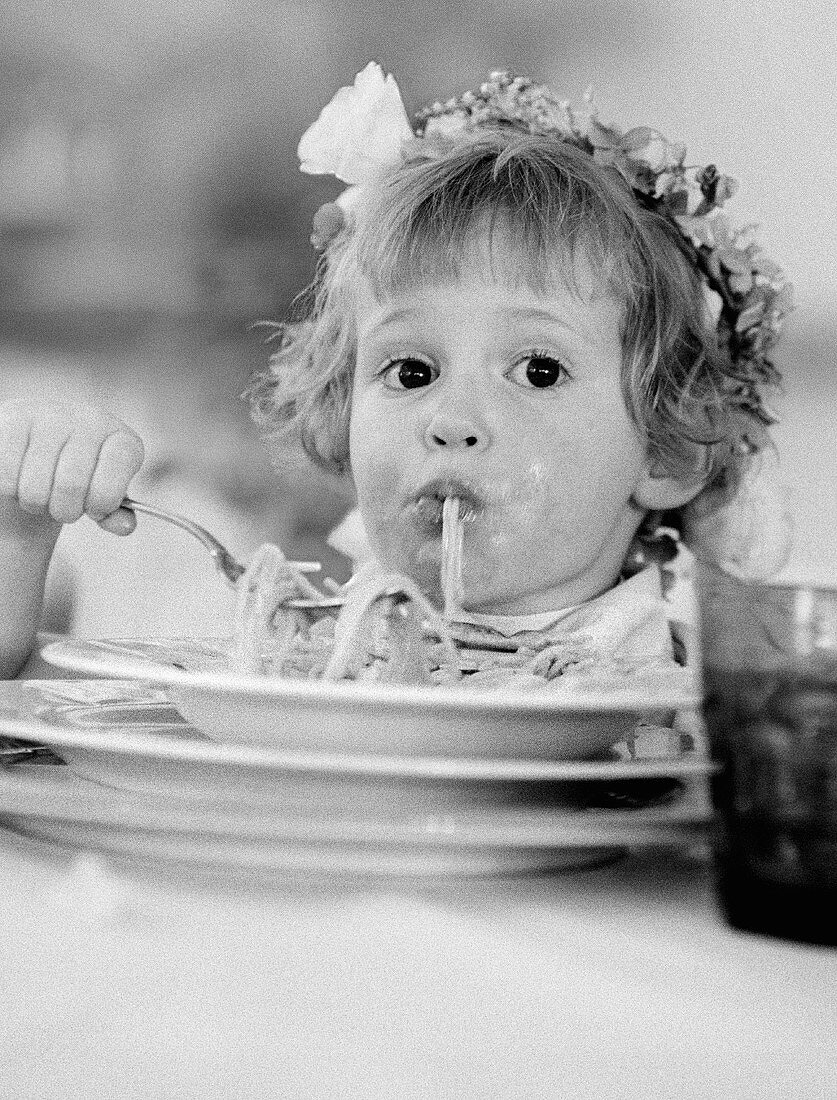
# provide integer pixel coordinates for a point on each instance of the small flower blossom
(447, 124)
(650, 148)
(328, 221)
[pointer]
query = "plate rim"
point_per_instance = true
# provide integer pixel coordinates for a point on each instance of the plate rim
(72, 799)
(240, 755)
(59, 654)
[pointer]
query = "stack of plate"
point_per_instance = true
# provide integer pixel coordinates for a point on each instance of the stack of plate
(270, 777)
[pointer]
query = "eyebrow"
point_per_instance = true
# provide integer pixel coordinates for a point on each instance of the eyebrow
(511, 313)
(533, 313)
(394, 317)
(529, 313)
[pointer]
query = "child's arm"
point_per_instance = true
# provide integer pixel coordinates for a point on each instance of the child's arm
(57, 463)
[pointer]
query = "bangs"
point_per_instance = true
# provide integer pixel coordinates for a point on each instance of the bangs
(533, 207)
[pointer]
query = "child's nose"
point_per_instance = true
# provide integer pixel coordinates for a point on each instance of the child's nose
(447, 429)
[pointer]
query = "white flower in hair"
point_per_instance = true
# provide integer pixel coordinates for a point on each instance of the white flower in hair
(751, 536)
(359, 133)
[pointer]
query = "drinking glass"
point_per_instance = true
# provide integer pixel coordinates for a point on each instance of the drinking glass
(769, 656)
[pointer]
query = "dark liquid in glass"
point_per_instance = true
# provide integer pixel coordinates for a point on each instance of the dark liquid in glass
(775, 736)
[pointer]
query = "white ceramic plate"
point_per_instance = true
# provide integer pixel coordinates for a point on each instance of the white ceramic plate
(126, 734)
(149, 788)
(367, 718)
(226, 836)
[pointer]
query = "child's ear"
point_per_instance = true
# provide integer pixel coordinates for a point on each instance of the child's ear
(659, 491)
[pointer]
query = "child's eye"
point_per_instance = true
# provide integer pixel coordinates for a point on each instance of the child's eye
(538, 369)
(408, 374)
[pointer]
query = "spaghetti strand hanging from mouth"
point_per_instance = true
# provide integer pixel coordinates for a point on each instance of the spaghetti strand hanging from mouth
(452, 537)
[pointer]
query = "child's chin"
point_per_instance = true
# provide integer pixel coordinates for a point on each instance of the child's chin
(425, 572)
(428, 556)
(423, 565)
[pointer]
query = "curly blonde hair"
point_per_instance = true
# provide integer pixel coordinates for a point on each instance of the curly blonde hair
(417, 224)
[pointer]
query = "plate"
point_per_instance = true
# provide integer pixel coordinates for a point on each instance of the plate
(144, 786)
(368, 718)
(222, 835)
(131, 728)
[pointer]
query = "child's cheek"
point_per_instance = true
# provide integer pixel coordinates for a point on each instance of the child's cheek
(529, 493)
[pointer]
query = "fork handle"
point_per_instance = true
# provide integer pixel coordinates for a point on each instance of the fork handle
(216, 548)
(199, 533)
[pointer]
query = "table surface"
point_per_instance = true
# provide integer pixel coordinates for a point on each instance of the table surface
(617, 981)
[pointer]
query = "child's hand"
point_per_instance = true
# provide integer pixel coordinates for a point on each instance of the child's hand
(60, 462)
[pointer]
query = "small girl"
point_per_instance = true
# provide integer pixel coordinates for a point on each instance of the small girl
(551, 321)
(519, 308)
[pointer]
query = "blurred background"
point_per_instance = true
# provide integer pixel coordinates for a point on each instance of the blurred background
(151, 211)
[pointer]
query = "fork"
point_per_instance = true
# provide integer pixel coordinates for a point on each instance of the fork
(225, 563)
(233, 569)
(460, 633)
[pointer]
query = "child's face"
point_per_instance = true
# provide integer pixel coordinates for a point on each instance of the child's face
(512, 401)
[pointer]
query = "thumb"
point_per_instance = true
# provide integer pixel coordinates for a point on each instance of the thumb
(121, 522)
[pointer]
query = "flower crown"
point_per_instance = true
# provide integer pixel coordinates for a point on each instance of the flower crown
(364, 131)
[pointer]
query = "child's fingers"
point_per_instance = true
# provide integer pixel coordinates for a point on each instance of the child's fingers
(119, 459)
(37, 470)
(65, 460)
(14, 439)
(121, 522)
(74, 473)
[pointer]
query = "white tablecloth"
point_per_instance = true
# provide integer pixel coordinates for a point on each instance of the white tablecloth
(613, 982)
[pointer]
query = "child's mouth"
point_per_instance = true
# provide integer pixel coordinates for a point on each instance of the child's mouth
(425, 508)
